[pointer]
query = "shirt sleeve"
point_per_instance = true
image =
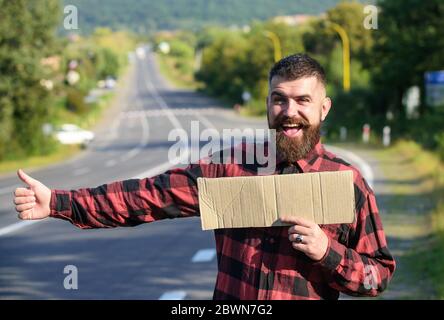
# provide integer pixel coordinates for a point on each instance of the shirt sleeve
(363, 266)
(172, 194)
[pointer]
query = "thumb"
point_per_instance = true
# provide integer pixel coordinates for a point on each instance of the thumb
(26, 179)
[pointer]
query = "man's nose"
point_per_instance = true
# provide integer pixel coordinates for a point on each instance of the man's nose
(293, 109)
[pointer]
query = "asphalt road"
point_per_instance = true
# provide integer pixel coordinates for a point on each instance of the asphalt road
(171, 259)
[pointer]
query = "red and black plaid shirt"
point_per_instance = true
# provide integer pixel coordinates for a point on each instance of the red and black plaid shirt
(253, 263)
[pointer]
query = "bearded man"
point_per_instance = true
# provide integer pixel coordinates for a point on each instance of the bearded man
(300, 261)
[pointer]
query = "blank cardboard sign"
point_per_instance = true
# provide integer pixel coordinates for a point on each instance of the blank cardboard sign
(259, 201)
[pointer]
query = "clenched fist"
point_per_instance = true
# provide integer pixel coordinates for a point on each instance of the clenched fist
(32, 203)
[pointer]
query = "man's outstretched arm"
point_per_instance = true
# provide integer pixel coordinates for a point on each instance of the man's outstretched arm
(172, 194)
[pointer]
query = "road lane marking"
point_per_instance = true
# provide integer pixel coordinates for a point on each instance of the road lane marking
(204, 255)
(114, 130)
(364, 167)
(143, 141)
(207, 123)
(173, 295)
(149, 85)
(17, 226)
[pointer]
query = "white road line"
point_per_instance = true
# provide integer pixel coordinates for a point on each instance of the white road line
(205, 121)
(364, 167)
(149, 85)
(173, 295)
(143, 142)
(16, 226)
(159, 169)
(204, 255)
(114, 130)
(79, 172)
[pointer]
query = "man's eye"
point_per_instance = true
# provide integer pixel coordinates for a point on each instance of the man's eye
(279, 101)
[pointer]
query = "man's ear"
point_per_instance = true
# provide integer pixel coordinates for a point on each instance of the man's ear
(326, 105)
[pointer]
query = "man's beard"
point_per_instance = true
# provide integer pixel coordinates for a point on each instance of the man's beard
(293, 149)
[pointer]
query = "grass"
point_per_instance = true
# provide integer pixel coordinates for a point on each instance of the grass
(429, 260)
(61, 153)
(415, 222)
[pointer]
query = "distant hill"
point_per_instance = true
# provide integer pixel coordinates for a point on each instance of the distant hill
(149, 15)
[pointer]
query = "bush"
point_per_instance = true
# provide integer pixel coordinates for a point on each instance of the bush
(181, 49)
(75, 101)
(107, 64)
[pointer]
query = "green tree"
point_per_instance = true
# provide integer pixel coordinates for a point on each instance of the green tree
(27, 34)
(409, 42)
(220, 65)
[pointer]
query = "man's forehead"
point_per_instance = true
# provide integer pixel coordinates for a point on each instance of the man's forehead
(310, 83)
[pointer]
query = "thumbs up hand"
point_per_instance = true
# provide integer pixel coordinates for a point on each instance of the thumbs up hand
(32, 203)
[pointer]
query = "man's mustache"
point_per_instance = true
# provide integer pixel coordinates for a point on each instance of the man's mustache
(285, 120)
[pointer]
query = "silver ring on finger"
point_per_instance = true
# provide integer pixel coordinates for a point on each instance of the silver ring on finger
(299, 238)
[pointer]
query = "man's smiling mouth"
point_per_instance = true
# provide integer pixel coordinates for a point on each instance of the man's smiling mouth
(292, 130)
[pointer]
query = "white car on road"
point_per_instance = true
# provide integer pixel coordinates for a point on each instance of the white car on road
(72, 134)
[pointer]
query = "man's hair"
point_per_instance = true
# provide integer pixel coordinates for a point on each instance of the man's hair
(298, 66)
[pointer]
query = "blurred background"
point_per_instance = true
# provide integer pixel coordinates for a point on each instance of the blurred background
(89, 91)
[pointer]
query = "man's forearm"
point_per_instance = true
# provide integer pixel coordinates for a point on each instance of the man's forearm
(96, 208)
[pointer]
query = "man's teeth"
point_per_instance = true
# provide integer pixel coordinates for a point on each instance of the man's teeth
(292, 125)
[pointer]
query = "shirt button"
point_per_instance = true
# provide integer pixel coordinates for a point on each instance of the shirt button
(272, 240)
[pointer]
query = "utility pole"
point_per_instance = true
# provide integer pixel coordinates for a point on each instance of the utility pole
(276, 44)
(345, 53)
